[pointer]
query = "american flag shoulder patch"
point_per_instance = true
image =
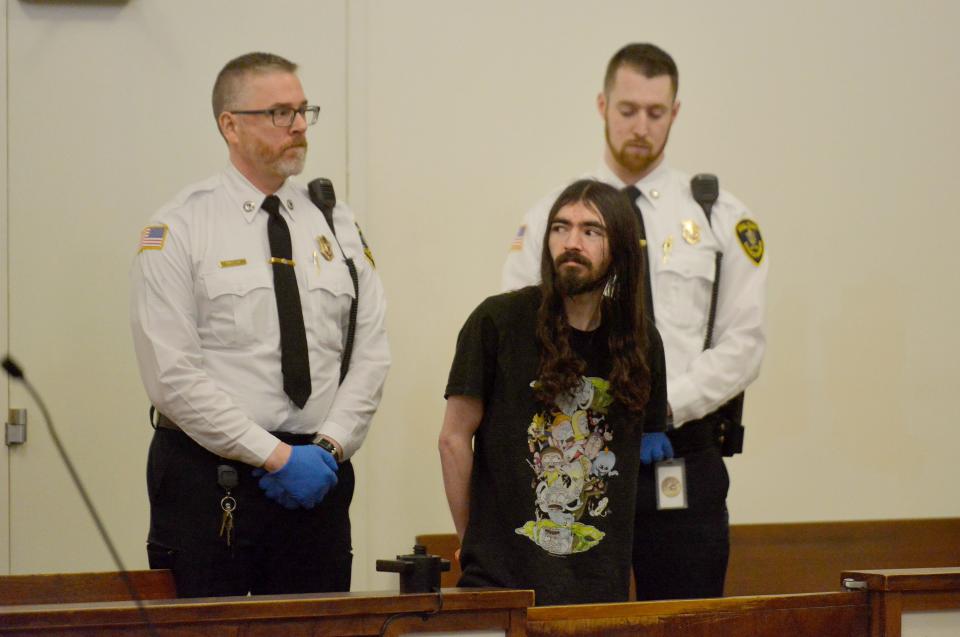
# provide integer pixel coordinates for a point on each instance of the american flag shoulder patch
(152, 238)
(517, 243)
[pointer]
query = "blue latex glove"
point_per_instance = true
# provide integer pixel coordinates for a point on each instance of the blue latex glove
(655, 447)
(275, 491)
(304, 481)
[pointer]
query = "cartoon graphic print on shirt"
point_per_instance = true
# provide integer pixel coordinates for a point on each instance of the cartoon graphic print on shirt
(572, 467)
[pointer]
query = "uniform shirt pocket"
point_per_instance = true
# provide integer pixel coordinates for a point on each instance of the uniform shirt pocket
(684, 287)
(237, 306)
(330, 294)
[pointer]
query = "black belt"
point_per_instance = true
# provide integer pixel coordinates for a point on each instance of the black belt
(165, 423)
(695, 435)
(717, 429)
(290, 438)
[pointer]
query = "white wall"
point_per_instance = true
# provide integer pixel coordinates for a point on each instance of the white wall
(4, 385)
(832, 120)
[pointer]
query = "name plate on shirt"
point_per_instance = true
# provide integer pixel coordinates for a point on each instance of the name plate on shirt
(671, 478)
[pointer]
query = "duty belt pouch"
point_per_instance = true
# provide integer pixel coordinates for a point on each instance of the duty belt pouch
(730, 431)
(731, 437)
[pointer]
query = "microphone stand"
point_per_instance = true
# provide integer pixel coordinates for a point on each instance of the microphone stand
(15, 372)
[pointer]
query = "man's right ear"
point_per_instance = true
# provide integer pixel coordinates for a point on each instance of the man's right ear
(602, 104)
(228, 126)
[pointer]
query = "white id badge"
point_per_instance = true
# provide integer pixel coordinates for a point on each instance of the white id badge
(671, 477)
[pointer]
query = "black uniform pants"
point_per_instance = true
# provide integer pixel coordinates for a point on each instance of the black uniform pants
(272, 550)
(683, 553)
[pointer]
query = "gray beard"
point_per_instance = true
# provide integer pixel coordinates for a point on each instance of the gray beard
(292, 166)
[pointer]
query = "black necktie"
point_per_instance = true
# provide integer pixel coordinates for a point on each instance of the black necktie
(294, 360)
(633, 193)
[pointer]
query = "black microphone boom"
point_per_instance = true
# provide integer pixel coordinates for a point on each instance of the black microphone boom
(12, 368)
(15, 371)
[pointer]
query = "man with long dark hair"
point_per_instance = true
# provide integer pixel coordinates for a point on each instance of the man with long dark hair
(549, 393)
(712, 324)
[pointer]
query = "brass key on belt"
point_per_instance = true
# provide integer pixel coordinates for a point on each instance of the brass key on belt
(229, 505)
(228, 479)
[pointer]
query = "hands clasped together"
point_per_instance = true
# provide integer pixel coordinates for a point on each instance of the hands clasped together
(304, 480)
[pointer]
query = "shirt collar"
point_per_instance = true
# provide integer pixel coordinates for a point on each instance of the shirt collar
(247, 198)
(606, 175)
(651, 187)
(288, 195)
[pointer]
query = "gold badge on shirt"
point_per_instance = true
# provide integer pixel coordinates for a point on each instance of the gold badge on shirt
(690, 231)
(748, 232)
(325, 248)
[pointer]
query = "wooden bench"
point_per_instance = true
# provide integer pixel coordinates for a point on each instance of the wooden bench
(805, 557)
(65, 588)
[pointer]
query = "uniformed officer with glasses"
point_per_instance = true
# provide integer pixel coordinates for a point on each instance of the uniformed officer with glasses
(241, 305)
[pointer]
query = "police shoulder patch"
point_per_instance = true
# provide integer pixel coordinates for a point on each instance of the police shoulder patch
(748, 232)
(152, 238)
(367, 252)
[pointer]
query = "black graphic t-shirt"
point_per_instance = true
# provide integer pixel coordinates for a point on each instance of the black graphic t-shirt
(553, 488)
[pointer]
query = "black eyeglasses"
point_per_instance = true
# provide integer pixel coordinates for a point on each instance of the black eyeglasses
(283, 116)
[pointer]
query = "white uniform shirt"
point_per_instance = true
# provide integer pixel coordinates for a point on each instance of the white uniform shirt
(205, 326)
(682, 274)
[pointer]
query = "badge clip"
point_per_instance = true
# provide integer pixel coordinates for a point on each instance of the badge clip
(667, 248)
(671, 478)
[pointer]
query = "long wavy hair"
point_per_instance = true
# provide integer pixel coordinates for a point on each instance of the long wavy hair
(622, 304)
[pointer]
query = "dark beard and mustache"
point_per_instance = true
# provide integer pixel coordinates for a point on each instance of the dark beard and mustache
(573, 281)
(636, 164)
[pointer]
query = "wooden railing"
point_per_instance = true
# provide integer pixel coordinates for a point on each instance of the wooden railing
(808, 615)
(872, 605)
(348, 614)
(894, 593)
